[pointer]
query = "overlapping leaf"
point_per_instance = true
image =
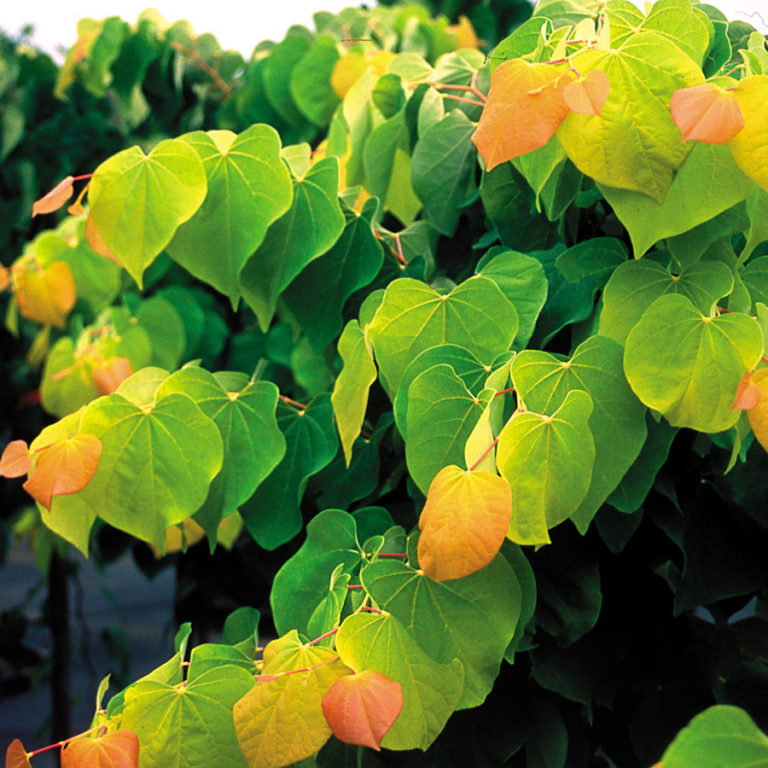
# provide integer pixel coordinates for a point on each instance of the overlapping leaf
(749, 148)
(706, 113)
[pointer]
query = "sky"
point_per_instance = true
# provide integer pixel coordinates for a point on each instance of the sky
(236, 24)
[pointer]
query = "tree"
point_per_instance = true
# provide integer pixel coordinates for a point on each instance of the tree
(489, 329)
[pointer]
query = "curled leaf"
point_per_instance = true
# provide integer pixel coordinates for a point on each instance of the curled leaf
(109, 375)
(748, 394)
(64, 467)
(706, 113)
(118, 749)
(16, 756)
(54, 199)
(16, 460)
(464, 522)
(361, 708)
(587, 94)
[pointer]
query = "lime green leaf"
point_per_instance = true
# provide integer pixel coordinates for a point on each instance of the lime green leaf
(431, 691)
(634, 286)
(350, 391)
(548, 462)
(413, 317)
(138, 201)
(248, 188)
(617, 421)
(441, 415)
(472, 619)
(687, 365)
(308, 229)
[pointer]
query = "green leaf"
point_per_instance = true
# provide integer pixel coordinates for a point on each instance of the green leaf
(721, 735)
(350, 391)
(687, 365)
(598, 256)
(547, 460)
(308, 229)
(431, 691)
(443, 161)
(310, 83)
(617, 421)
(441, 415)
(413, 317)
(189, 724)
(472, 619)
(272, 514)
(634, 286)
(138, 201)
(165, 329)
(248, 188)
(278, 70)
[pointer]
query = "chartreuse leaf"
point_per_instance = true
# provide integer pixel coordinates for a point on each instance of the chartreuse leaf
(138, 201)
(708, 183)
(308, 229)
(721, 735)
(616, 148)
(352, 263)
(758, 414)
(749, 148)
(188, 724)
(547, 460)
(45, 295)
(116, 749)
(156, 463)
(413, 317)
(272, 514)
(472, 619)
(431, 691)
(634, 286)
(464, 522)
(617, 421)
(244, 412)
(441, 415)
(302, 581)
(687, 365)
(248, 188)
(350, 390)
(280, 720)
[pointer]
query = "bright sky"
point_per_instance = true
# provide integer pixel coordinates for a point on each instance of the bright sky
(236, 24)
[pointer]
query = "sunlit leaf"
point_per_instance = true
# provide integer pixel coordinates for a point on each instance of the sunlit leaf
(16, 459)
(115, 749)
(587, 94)
(361, 708)
(758, 414)
(54, 199)
(749, 147)
(46, 295)
(706, 113)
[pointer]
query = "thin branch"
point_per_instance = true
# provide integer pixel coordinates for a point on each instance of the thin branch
(205, 67)
(292, 402)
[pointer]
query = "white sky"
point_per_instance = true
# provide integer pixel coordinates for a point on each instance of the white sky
(236, 24)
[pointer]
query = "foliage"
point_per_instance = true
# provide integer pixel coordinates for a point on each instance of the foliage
(524, 462)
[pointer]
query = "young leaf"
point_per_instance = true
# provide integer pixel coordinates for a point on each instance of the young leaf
(116, 749)
(54, 199)
(587, 94)
(748, 393)
(110, 374)
(464, 522)
(45, 295)
(16, 459)
(758, 414)
(524, 109)
(63, 468)
(361, 708)
(16, 756)
(706, 113)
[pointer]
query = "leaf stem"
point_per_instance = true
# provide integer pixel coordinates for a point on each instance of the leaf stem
(393, 554)
(371, 609)
(484, 454)
(294, 403)
(504, 391)
(58, 744)
(323, 636)
(464, 99)
(84, 176)
(210, 71)
(355, 586)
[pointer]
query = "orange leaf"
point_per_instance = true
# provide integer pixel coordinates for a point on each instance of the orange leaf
(108, 376)
(361, 708)
(97, 245)
(118, 749)
(16, 756)
(587, 94)
(465, 34)
(706, 113)
(16, 460)
(463, 523)
(46, 295)
(55, 198)
(748, 394)
(64, 467)
(758, 415)
(524, 109)
(5, 278)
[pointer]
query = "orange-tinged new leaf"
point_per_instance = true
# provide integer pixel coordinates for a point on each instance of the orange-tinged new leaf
(46, 295)
(464, 522)
(16, 756)
(64, 467)
(361, 708)
(748, 394)
(706, 113)
(465, 34)
(5, 278)
(758, 415)
(118, 749)
(109, 375)
(586, 95)
(16, 459)
(55, 198)
(524, 109)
